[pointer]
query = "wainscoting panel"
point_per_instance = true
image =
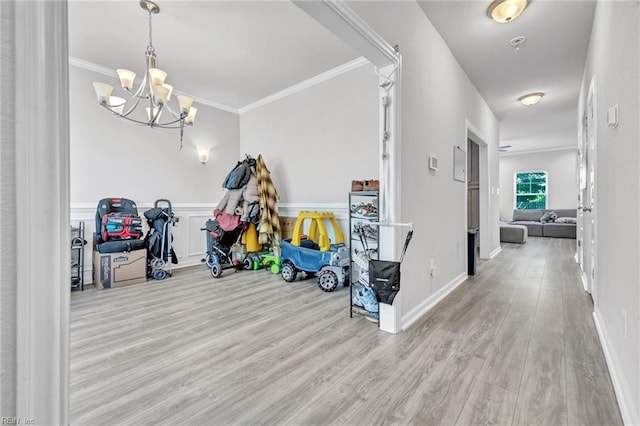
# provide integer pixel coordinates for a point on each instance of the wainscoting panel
(189, 241)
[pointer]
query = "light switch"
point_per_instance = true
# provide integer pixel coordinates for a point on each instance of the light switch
(433, 162)
(612, 116)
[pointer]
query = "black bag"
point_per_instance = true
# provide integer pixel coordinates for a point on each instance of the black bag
(117, 246)
(384, 275)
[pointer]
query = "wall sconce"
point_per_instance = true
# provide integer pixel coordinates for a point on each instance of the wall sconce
(203, 155)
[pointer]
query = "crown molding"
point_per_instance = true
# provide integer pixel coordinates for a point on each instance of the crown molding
(99, 69)
(320, 78)
(537, 151)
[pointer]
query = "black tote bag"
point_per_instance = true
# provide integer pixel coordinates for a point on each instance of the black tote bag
(384, 276)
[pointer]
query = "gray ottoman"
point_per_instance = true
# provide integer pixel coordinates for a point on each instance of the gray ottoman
(513, 233)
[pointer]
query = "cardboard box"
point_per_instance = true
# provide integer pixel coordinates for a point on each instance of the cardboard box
(112, 270)
(286, 226)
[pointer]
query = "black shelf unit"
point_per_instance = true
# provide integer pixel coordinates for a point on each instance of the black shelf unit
(77, 256)
(363, 214)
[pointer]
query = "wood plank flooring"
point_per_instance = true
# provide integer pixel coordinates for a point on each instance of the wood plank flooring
(513, 345)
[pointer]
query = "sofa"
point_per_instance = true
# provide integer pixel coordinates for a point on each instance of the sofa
(540, 225)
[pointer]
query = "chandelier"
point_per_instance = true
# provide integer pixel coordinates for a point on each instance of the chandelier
(152, 89)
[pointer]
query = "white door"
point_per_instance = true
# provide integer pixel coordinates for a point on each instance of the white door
(582, 194)
(589, 202)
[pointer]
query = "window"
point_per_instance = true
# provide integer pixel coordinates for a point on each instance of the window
(530, 190)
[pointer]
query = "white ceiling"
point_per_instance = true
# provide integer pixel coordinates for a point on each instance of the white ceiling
(228, 52)
(235, 53)
(551, 61)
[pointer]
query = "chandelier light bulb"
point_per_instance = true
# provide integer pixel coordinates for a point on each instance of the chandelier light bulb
(185, 103)
(103, 91)
(169, 90)
(126, 78)
(191, 117)
(160, 95)
(117, 104)
(157, 76)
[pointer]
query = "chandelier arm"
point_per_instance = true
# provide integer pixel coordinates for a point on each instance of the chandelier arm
(169, 125)
(134, 106)
(177, 116)
(152, 121)
(143, 86)
(143, 123)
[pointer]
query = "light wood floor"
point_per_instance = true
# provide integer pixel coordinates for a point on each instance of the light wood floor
(515, 344)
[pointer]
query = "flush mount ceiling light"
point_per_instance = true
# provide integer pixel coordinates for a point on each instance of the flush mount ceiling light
(152, 89)
(506, 10)
(531, 98)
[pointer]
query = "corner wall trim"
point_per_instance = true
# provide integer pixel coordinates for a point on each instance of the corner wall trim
(625, 401)
(536, 151)
(320, 78)
(419, 311)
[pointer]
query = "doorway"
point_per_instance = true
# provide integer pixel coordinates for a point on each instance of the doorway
(477, 148)
(42, 369)
(473, 185)
(473, 204)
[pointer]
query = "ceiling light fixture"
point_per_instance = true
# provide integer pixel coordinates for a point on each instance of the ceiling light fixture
(506, 10)
(531, 98)
(153, 88)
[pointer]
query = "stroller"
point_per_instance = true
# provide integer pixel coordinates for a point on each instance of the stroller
(159, 238)
(224, 248)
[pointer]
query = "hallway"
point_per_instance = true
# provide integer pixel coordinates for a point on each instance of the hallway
(527, 316)
(515, 344)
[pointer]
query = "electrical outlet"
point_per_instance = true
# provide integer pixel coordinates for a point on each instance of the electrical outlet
(432, 268)
(624, 323)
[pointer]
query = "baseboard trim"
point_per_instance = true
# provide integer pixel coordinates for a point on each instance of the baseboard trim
(88, 273)
(624, 397)
(419, 311)
(495, 252)
(583, 277)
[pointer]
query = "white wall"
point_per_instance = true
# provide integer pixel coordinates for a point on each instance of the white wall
(318, 140)
(614, 56)
(561, 178)
(113, 158)
(436, 99)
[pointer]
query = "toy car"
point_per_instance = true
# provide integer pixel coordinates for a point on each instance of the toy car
(314, 253)
(271, 261)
